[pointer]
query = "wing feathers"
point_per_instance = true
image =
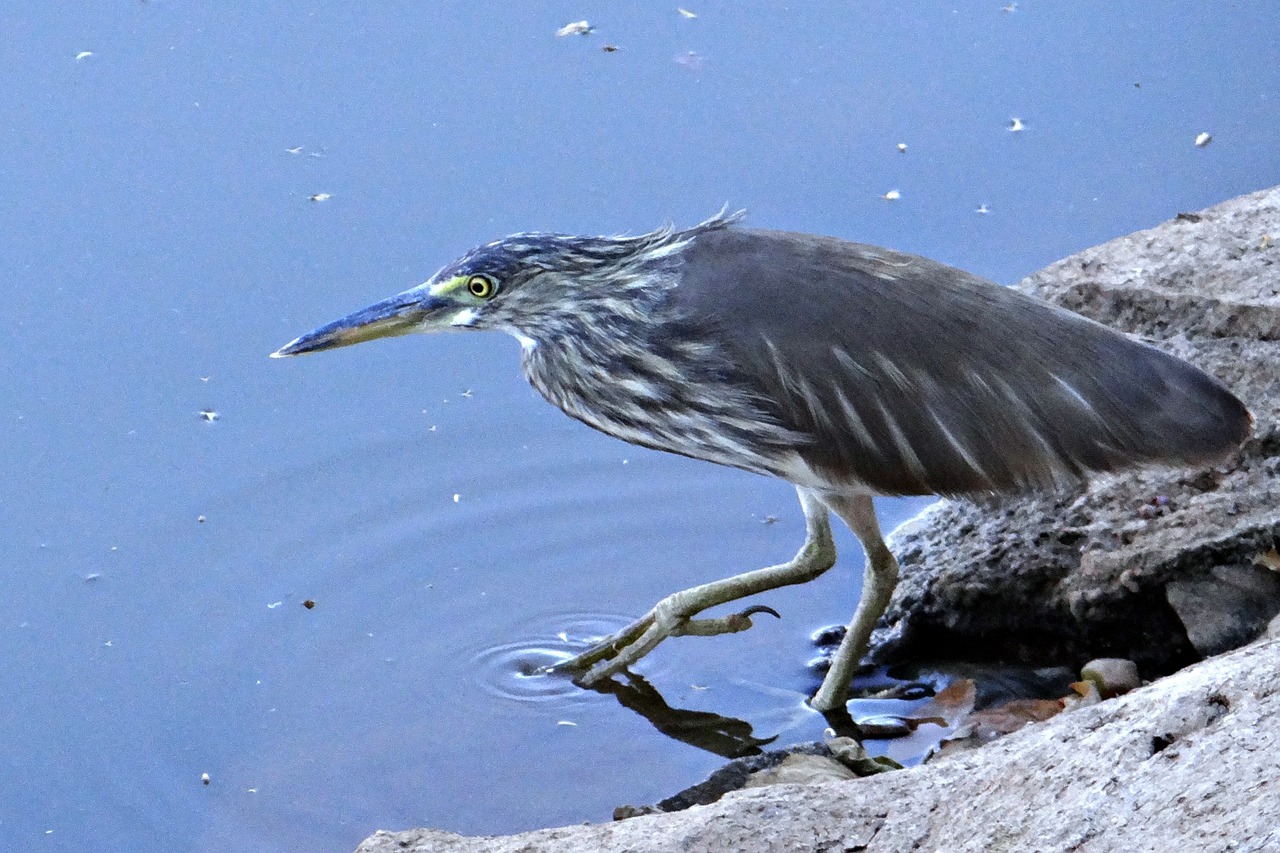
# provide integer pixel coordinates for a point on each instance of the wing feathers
(915, 378)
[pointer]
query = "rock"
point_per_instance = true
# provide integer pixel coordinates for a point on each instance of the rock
(1113, 676)
(801, 770)
(1157, 566)
(1226, 609)
(1186, 763)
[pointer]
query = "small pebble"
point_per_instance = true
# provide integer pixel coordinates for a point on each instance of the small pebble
(1113, 676)
(831, 635)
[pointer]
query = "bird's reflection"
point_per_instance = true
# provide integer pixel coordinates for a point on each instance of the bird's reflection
(718, 734)
(728, 737)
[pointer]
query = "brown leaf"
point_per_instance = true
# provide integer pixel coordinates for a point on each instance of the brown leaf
(1268, 559)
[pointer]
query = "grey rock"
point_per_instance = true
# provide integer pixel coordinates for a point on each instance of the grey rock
(1226, 609)
(1131, 566)
(1186, 763)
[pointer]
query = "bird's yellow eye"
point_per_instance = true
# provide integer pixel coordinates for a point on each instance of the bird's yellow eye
(480, 286)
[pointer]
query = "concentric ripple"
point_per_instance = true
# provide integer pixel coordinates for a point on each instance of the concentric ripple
(519, 670)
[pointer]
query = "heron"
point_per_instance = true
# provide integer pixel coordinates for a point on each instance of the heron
(849, 370)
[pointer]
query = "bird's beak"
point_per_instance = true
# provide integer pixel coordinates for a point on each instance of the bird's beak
(412, 311)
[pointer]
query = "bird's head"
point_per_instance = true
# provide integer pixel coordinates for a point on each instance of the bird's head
(527, 284)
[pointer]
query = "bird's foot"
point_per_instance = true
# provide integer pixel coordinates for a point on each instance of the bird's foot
(671, 617)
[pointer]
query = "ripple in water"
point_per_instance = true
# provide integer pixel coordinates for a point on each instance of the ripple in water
(518, 670)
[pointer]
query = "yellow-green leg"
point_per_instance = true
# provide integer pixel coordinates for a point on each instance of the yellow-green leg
(878, 581)
(673, 616)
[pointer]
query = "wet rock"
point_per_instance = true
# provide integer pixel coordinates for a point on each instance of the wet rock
(1157, 566)
(1113, 676)
(1185, 763)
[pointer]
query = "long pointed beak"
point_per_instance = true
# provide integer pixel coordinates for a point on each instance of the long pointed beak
(411, 311)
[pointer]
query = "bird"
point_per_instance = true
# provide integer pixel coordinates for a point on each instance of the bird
(848, 370)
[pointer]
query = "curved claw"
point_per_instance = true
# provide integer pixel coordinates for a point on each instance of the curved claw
(760, 608)
(731, 624)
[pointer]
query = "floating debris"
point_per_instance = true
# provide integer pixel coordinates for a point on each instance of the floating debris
(457, 498)
(84, 54)
(320, 197)
(1009, 7)
(891, 195)
(93, 576)
(297, 150)
(769, 519)
(565, 723)
(274, 605)
(1016, 125)
(902, 148)
(685, 13)
(982, 209)
(1203, 139)
(208, 415)
(309, 604)
(467, 393)
(610, 48)
(204, 778)
(200, 519)
(577, 28)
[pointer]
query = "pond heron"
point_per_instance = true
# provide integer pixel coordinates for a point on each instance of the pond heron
(848, 370)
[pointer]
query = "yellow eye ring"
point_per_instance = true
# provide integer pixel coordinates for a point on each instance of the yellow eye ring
(480, 286)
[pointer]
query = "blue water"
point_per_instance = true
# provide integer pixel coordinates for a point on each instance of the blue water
(157, 241)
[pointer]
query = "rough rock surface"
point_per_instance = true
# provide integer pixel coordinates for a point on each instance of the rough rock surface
(1159, 566)
(1186, 763)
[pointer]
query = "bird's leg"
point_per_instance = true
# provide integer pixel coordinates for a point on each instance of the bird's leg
(878, 581)
(673, 616)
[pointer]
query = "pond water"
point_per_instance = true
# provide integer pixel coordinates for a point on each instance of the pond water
(159, 239)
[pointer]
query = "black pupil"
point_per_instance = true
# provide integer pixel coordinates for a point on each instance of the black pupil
(479, 286)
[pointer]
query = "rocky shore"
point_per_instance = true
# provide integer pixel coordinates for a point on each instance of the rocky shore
(1164, 568)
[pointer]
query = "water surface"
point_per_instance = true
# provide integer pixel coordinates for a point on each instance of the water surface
(158, 241)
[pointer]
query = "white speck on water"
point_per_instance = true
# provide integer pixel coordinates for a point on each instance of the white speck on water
(576, 28)
(565, 723)
(274, 605)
